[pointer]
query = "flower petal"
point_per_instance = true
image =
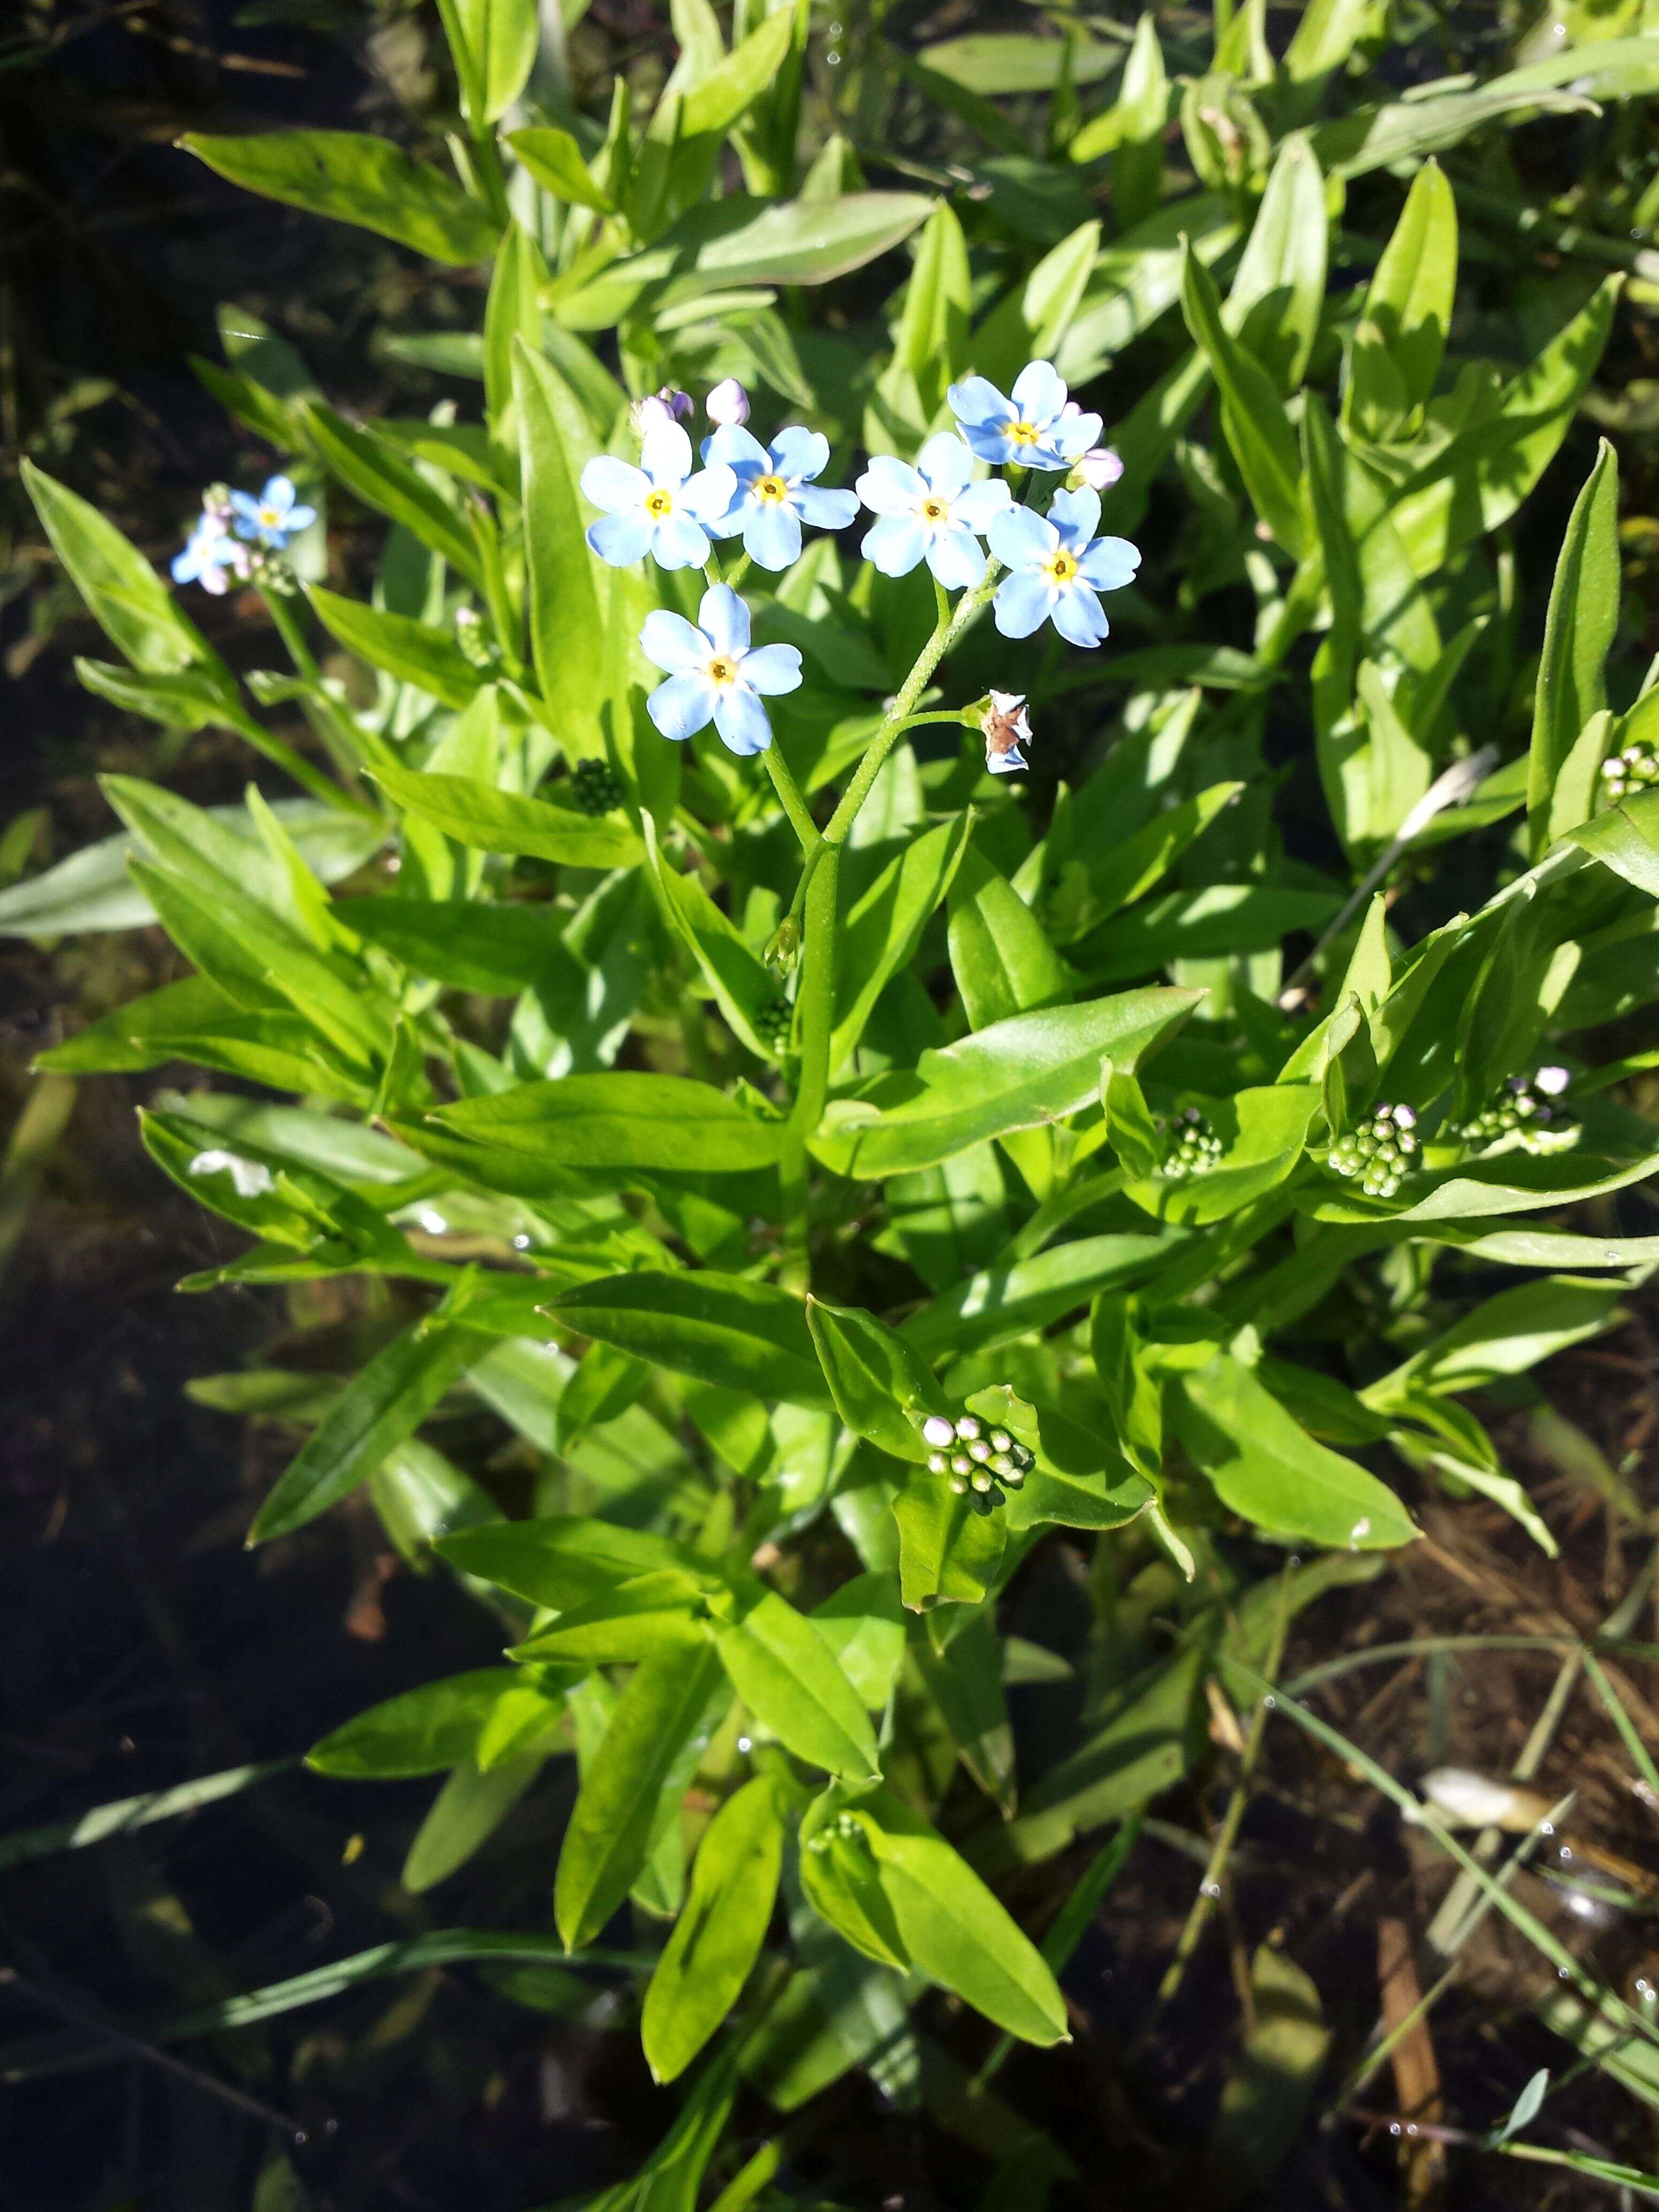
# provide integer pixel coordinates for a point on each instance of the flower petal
(615, 487)
(1078, 616)
(739, 449)
(245, 505)
(1076, 515)
(742, 721)
(1073, 436)
(300, 517)
(678, 543)
(772, 669)
(954, 558)
(1040, 392)
(895, 544)
(976, 400)
(620, 539)
(799, 454)
(1020, 539)
(771, 535)
(673, 642)
(1109, 564)
(1008, 763)
(682, 704)
(1022, 602)
(666, 454)
(278, 493)
(825, 510)
(889, 486)
(725, 619)
(187, 566)
(987, 442)
(709, 494)
(947, 462)
(976, 504)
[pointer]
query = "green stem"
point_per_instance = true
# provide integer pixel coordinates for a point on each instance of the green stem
(815, 1012)
(503, 614)
(293, 636)
(788, 792)
(282, 755)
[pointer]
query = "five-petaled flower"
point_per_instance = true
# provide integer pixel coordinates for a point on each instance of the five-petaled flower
(659, 508)
(1035, 427)
(1007, 727)
(775, 492)
(931, 511)
(1056, 566)
(271, 518)
(211, 557)
(714, 675)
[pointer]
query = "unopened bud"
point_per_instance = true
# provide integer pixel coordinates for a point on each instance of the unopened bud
(728, 403)
(662, 407)
(938, 1431)
(1098, 471)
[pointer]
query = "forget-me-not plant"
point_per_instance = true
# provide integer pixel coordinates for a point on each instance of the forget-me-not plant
(714, 675)
(273, 517)
(212, 556)
(1056, 567)
(659, 508)
(933, 511)
(775, 492)
(1035, 428)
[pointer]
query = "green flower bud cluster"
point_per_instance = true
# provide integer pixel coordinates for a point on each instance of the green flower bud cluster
(595, 786)
(1380, 1152)
(976, 1459)
(1636, 768)
(844, 1828)
(1194, 1147)
(773, 1022)
(1524, 1104)
(478, 647)
(270, 573)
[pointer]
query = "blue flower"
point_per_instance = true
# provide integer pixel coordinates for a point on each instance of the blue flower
(774, 491)
(271, 518)
(1035, 428)
(1056, 565)
(930, 512)
(211, 556)
(659, 508)
(713, 674)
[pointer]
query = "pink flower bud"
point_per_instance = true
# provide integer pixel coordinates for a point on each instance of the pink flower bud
(1099, 469)
(727, 403)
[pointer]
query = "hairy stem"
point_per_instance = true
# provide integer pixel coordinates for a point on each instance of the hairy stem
(789, 795)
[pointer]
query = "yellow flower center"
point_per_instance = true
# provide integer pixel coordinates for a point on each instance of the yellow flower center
(659, 503)
(934, 510)
(1060, 568)
(772, 490)
(1024, 434)
(270, 517)
(722, 669)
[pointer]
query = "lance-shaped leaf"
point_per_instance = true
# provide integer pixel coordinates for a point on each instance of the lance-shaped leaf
(475, 813)
(743, 988)
(880, 934)
(949, 1546)
(1280, 288)
(840, 1879)
(1578, 630)
(717, 1936)
(354, 177)
(882, 1387)
(566, 620)
(423, 1732)
(465, 1813)
(623, 1118)
(1258, 428)
(414, 652)
(1401, 338)
(554, 160)
(789, 1678)
(1263, 1133)
(565, 1561)
(1083, 1478)
(494, 45)
(720, 1328)
(667, 1707)
(640, 1619)
(1017, 1074)
(1625, 838)
(123, 592)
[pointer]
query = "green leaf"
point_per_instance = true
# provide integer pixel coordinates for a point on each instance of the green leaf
(717, 1936)
(641, 1619)
(1408, 303)
(621, 1119)
(665, 1707)
(965, 1682)
(738, 1334)
(879, 935)
(1018, 1074)
(1258, 428)
(466, 1813)
(1625, 838)
(567, 622)
(1083, 1478)
(883, 1388)
(1326, 34)
(384, 1403)
(1578, 630)
(555, 161)
(1505, 1335)
(1015, 1296)
(474, 813)
(194, 699)
(1266, 1467)
(372, 467)
(1280, 287)
(1263, 1133)
(789, 1678)
(414, 652)
(995, 63)
(128, 600)
(493, 44)
(356, 178)
(564, 1561)
(1215, 922)
(1144, 857)
(955, 1931)
(498, 950)
(1130, 1129)
(422, 1732)
(1032, 322)
(721, 96)
(743, 988)
(839, 1881)
(1000, 956)
(949, 1549)
(863, 1624)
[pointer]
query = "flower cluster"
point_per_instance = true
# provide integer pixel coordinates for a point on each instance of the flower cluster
(595, 787)
(936, 510)
(775, 1022)
(1636, 768)
(1523, 1106)
(975, 1458)
(1194, 1148)
(237, 533)
(1379, 1151)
